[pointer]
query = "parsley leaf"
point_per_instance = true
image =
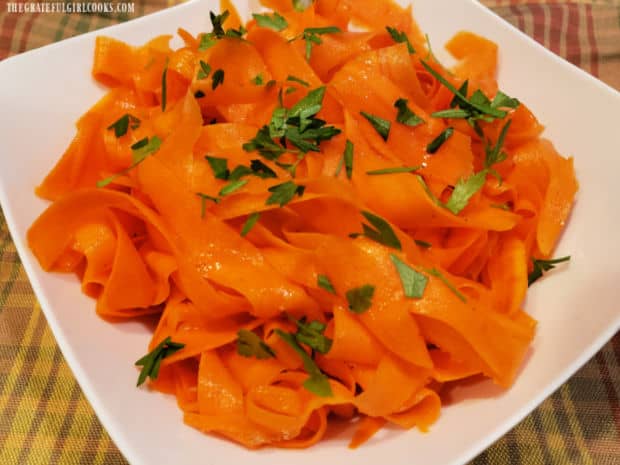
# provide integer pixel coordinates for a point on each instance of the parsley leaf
(540, 266)
(121, 125)
(151, 362)
(502, 100)
(453, 113)
(395, 170)
(348, 158)
(465, 190)
(437, 274)
(312, 335)
(217, 79)
(405, 115)
(423, 244)
(324, 282)
(400, 37)
(217, 21)
(250, 345)
(301, 5)
(317, 383)
(219, 166)
(494, 153)
(382, 126)
(204, 71)
(232, 187)
(249, 223)
(283, 193)
(414, 283)
(239, 172)
(140, 150)
(206, 42)
(297, 80)
(261, 170)
(275, 21)
(380, 231)
(264, 144)
(164, 87)
(203, 202)
(258, 79)
(312, 37)
(439, 140)
(360, 298)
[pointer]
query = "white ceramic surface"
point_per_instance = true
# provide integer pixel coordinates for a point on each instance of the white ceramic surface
(43, 92)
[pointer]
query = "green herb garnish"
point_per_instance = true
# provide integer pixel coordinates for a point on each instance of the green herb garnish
(360, 298)
(232, 186)
(121, 125)
(282, 194)
(203, 202)
(249, 223)
(311, 334)
(140, 150)
(541, 266)
(400, 37)
(258, 79)
(380, 231)
(413, 282)
(151, 362)
(395, 170)
(317, 383)
(405, 115)
(324, 282)
(219, 166)
(250, 345)
(439, 140)
(382, 126)
(348, 158)
(298, 81)
(217, 79)
(423, 244)
(312, 36)
(465, 190)
(164, 87)
(302, 5)
(437, 274)
(204, 71)
(274, 21)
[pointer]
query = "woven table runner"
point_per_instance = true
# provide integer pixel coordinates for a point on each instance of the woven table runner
(44, 417)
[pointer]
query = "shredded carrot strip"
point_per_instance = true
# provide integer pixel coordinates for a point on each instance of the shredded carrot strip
(262, 181)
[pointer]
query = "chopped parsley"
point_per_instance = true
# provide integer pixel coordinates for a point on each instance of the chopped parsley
(140, 150)
(465, 190)
(232, 186)
(217, 79)
(219, 166)
(121, 125)
(414, 283)
(324, 282)
(311, 334)
(360, 298)
(438, 274)
(249, 223)
(151, 362)
(250, 345)
(203, 202)
(380, 231)
(400, 37)
(204, 71)
(439, 140)
(382, 126)
(405, 115)
(541, 266)
(282, 194)
(395, 170)
(317, 383)
(274, 21)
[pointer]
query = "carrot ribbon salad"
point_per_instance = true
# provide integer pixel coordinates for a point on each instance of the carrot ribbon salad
(327, 223)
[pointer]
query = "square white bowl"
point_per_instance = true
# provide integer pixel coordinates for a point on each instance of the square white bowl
(43, 92)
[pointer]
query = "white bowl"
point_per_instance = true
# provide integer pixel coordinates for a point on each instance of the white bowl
(43, 92)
